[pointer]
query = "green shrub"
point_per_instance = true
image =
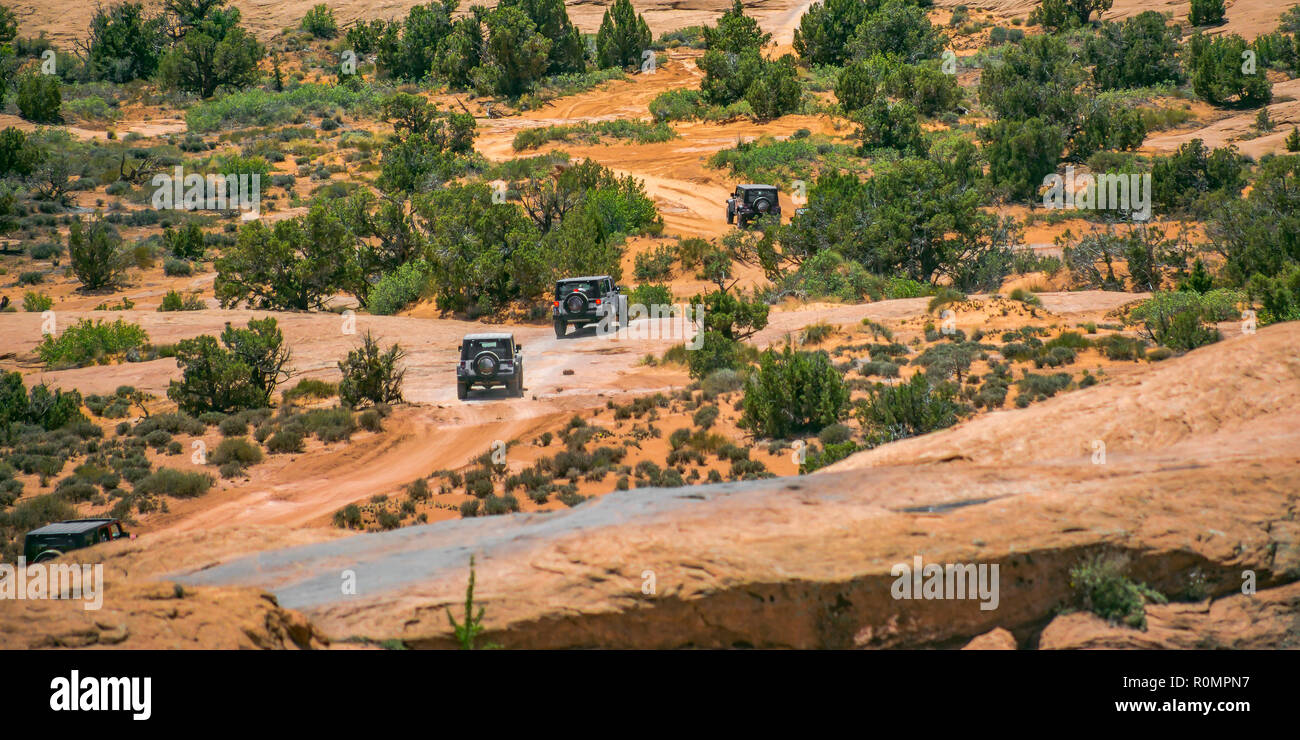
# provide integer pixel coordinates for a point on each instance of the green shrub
(1120, 347)
(655, 265)
(233, 426)
(917, 406)
(371, 421)
(329, 425)
(175, 423)
(96, 255)
(90, 342)
(1025, 297)
(793, 393)
(592, 132)
(348, 517)
(820, 458)
(371, 375)
(239, 373)
(834, 434)
(177, 483)
(1102, 588)
(173, 267)
(36, 302)
(721, 381)
(680, 104)
(1218, 75)
(238, 450)
(398, 289)
(94, 109)
(39, 98)
(1178, 319)
(45, 250)
(174, 301)
(257, 107)
(1035, 387)
(418, 490)
(319, 22)
(650, 295)
(1206, 12)
(184, 243)
(285, 441)
(816, 333)
(881, 368)
(705, 416)
(310, 388)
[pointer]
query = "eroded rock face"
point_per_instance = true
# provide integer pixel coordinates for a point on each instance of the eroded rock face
(143, 613)
(998, 639)
(1265, 620)
(159, 616)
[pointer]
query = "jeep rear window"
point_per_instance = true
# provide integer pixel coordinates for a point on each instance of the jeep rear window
(563, 289)
(500, 347)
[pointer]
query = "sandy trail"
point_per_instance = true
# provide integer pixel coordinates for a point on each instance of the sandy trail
(690, 196)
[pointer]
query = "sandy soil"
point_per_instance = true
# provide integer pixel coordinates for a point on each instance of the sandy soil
(66, 21)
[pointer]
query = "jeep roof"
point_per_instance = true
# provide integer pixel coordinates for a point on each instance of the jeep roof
(584, 279)
(489, 335)
(72, 526)
(756, 187)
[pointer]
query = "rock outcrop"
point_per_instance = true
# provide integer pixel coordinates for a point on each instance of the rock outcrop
(1200, 483)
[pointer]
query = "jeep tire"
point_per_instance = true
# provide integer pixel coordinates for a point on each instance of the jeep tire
(576, 303)
(462, 390)
(560, 329)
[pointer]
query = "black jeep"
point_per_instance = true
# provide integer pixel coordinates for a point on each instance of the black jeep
(490, 360)
(53, 540)
(752, 201)
(586, 300)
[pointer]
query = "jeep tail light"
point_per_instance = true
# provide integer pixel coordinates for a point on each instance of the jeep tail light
(555, 304)
(597, 301)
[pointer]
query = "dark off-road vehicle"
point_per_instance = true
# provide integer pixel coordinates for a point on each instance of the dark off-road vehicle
(488, 361)
(53, 540)
(586, 300)
(752, 201)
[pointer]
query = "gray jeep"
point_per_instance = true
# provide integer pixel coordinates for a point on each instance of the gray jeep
(488, 361)
(752, 201)
(587, 300)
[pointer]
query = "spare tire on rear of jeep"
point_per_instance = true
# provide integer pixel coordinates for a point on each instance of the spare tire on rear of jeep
(576, 302)
(486, 364)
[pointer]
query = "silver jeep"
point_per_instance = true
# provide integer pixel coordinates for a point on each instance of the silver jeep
(488, 361)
